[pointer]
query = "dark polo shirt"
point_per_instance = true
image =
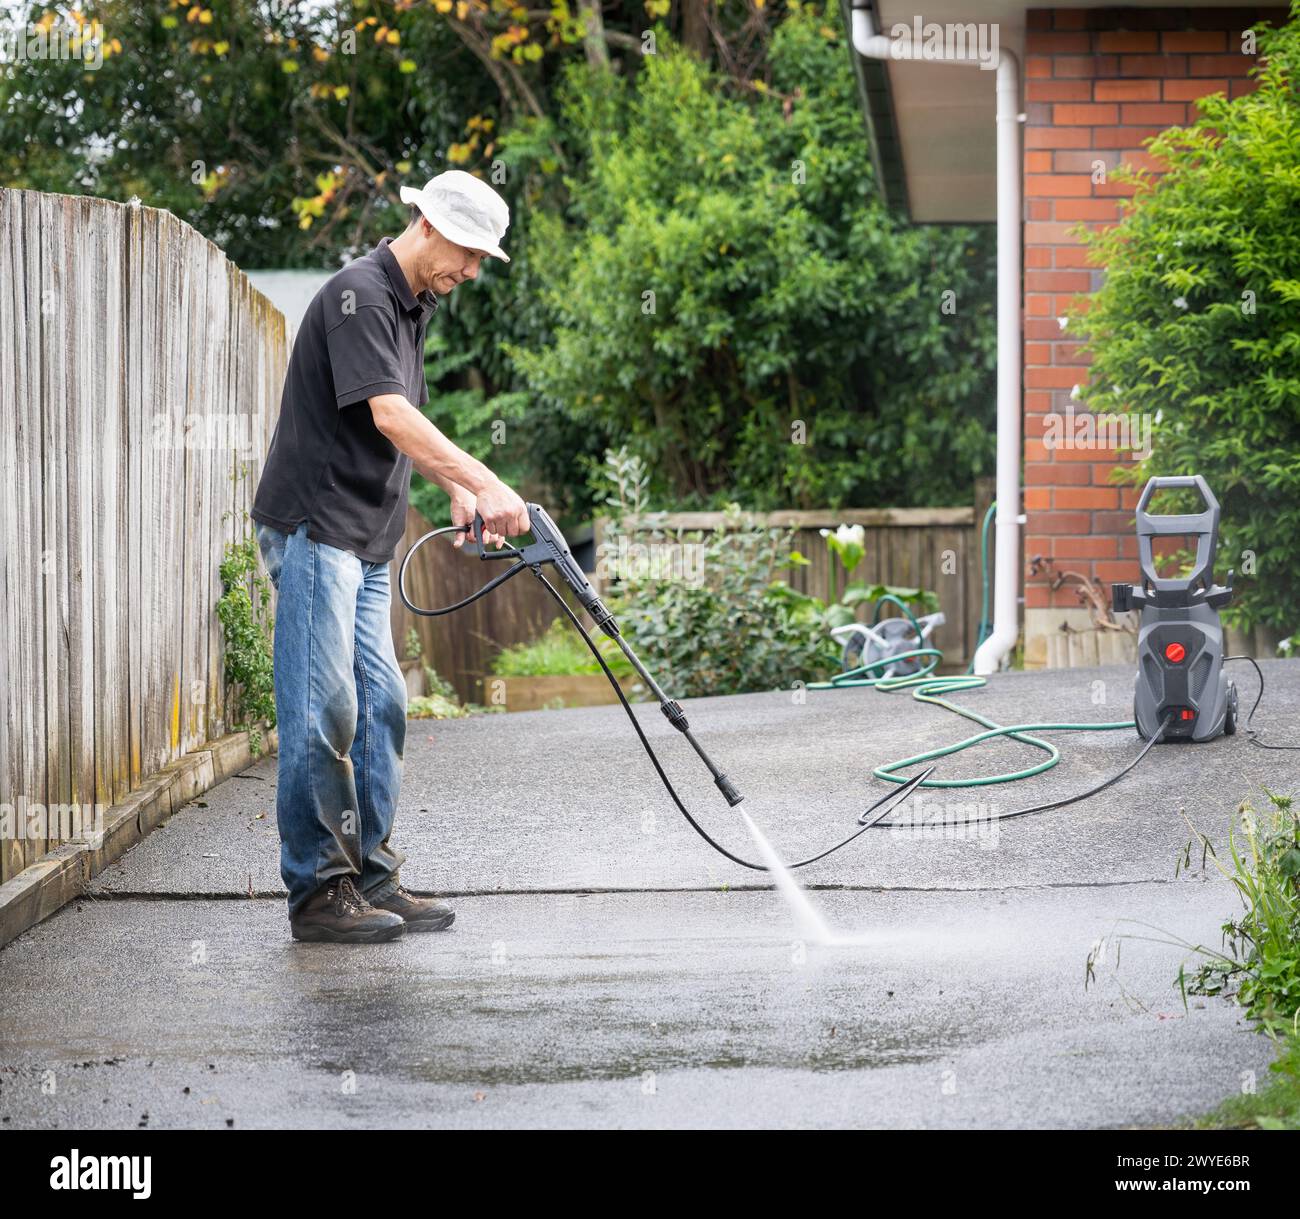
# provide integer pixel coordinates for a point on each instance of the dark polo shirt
(329, 465)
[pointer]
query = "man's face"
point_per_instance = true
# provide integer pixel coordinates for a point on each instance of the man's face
(446, 264)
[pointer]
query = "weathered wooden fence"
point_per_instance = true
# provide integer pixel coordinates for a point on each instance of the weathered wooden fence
(933, 548)
(140, 375)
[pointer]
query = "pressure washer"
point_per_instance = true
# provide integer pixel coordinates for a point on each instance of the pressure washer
(1180, 693)
(1180, 675)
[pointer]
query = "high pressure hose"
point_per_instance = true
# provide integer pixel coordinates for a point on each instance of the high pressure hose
(925, 686)
(866, 820)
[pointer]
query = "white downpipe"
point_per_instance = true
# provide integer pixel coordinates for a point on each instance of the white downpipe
(1006, 574)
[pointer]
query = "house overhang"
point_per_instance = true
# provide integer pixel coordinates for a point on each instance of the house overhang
(931, 129)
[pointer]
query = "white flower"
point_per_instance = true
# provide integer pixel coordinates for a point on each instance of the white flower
(1074, 393)
(855, 534)
(824, 532)
(1063, 322)
(1180, 302)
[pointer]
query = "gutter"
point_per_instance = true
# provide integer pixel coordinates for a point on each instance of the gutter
(992, 653)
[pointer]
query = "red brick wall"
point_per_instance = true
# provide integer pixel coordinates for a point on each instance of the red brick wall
(1097, 83)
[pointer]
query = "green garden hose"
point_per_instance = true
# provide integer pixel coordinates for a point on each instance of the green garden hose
(927, 688)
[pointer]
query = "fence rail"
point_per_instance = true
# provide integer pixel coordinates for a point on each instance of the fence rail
(140, 374)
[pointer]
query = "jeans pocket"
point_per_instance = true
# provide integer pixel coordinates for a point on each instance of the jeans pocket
(271, 543)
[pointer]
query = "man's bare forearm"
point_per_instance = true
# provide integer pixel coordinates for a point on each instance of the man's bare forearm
(436, 457)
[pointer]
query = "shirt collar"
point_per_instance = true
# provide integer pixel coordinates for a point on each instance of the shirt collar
(426, 302)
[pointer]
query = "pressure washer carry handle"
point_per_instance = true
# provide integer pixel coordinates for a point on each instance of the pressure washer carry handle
(1159, 524)
(1204, 526)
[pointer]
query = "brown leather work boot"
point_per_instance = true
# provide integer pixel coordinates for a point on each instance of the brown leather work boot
(419, 913)
(338, 914)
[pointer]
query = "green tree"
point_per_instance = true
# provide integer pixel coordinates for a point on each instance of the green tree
(280, 131)
(1198, 322)
(725, 290)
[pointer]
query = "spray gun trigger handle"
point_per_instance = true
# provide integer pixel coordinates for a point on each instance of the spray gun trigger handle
(476, 531)
(891, 800)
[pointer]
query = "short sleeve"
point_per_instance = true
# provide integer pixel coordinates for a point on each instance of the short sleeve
(364, 355)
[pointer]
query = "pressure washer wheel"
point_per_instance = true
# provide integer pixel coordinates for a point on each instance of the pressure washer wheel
(1230, 712)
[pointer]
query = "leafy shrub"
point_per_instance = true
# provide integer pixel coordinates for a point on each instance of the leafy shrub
(1261, 955)
(243, 611)
(439, 702)
(1198, 322)
(559, 651)
(737, 629)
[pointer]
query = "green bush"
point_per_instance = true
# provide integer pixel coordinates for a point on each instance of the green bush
(1198, 322)
(739, 628)
(559, 651)
(244, 613)
(1261, 955)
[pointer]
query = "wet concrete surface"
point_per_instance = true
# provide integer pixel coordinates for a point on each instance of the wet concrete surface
(674, 995)
(626, 1010)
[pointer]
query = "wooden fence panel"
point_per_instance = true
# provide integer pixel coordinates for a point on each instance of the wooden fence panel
(934, 548)
(122, 325)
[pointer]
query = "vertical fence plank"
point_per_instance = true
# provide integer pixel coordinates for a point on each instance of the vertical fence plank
(55, 267)
(190, 444)
(29, 673)
(170, 488)
(140, 278)
(81, 409)
(113, 631)
(13, 590)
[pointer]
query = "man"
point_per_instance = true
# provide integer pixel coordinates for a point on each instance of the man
(330, 509)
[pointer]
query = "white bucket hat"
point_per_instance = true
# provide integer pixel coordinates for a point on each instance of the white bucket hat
(464, 209)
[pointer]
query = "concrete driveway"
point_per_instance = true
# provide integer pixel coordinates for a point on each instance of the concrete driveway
(608, 969)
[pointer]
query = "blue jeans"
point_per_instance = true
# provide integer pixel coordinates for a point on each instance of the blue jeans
(340, 706)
